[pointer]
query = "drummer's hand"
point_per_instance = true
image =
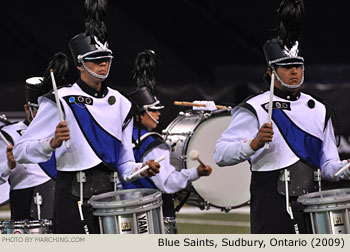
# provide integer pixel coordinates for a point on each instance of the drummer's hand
(61, 134)
(11, 162)
(152, 170)
(204, 170)
(264, 136)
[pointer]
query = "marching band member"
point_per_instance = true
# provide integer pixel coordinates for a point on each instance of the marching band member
(97, 123)
(32, 190)
(301, 136)
(151, 145)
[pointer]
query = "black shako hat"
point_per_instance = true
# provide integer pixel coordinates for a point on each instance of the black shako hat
(284, 48)
(91, 44)
(144, 74)
(38, 86)
(33, 90)
(145, 99)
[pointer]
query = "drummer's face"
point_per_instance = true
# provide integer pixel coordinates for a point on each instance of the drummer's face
(147, 121)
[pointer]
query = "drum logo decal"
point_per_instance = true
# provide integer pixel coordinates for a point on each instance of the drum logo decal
(143, 224)
(17, 231)
(126, 226)
(338, 220)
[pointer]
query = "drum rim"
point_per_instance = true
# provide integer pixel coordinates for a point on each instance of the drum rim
(124, 203)
(310, 198)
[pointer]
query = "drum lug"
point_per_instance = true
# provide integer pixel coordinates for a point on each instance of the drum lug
(226, 209)
(204, 205)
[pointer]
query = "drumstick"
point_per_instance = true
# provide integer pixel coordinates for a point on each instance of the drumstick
(57, 100)
(267, 146)
(86, 229)
(190, 104)
(194, 154)
(143, 168)
(8, 144)
(341, 170)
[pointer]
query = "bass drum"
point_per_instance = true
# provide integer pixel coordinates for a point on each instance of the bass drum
(227, 187)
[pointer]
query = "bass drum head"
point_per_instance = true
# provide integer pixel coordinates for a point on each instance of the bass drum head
(4, 193)
(227, 187)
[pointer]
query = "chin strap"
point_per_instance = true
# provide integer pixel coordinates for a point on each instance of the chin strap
(154, 120)
(286, 85)
(95, 74)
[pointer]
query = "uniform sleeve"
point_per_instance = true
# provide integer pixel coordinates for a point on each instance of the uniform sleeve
(330, 161)
(4, 169)
(127, 164)
(33, 146)
(169, 180)
(234, 144)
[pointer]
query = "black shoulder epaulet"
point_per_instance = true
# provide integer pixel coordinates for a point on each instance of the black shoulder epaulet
(51, 96)
(7, 136)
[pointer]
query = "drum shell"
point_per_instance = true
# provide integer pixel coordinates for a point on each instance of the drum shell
(132, 211)
(328, 210)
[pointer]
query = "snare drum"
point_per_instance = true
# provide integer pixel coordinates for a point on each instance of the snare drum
(131, 211)
(227, 187)
(328, 211)
(26, 227)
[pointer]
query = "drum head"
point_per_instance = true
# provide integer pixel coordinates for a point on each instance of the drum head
(227, 187)
(4, 193)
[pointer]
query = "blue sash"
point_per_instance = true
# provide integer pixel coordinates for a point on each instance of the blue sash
(49, 167)
(305, 146)
(138, 153)
(105, 146)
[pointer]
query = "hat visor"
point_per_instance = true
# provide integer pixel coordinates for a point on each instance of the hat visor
(289, 61)
(154, 106)
(91, 58)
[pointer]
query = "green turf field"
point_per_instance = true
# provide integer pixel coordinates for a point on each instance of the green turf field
(210, 223)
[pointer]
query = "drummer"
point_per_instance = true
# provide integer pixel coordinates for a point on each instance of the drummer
(31, 189)
(150, 145)
(301, 137)
(93, 141)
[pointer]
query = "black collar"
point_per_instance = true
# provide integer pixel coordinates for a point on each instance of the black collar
(93, 92)
(26, 122)
(286, 95)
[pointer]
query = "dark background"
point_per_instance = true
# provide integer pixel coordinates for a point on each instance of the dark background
(206, 49)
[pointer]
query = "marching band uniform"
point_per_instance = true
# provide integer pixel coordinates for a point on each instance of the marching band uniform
(151, 145)
(98, 144)
(100, 129)
(26, 181)
(303, 141)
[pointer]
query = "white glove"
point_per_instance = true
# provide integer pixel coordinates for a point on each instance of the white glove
(209, 105)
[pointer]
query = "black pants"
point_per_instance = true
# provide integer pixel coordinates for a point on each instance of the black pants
(22, 202)
(168, 205)
(66, 212)
(268, 208)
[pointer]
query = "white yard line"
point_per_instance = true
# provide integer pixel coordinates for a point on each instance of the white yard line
(196, 210)
(213, 222)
